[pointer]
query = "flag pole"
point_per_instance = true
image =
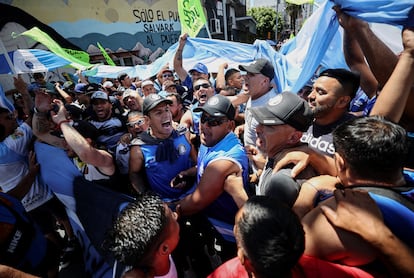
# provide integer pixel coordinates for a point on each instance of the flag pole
(6, 55)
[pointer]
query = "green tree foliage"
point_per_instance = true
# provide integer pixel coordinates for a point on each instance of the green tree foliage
(266, 19)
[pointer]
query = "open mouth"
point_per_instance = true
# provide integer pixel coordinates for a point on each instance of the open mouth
(203, 96)
(166, 124)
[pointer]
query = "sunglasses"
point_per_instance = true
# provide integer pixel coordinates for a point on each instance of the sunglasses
(167, 75)
(205, 86)
(140, 122)
(212, 121)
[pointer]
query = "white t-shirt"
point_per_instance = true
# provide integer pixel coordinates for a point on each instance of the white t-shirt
(14, 166)
(250, 122)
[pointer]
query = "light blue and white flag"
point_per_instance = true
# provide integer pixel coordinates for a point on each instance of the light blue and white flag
(31, 60)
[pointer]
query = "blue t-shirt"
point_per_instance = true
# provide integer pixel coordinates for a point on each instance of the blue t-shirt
(223, 208)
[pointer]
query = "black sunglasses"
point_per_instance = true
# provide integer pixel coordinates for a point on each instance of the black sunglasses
(139, 122)
(205, 86)
(167, 75)
(212, 121)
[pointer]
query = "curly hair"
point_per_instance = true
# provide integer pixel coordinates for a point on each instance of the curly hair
(137, 231)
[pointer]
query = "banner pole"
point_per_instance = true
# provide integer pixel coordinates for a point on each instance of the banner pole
(6, 55)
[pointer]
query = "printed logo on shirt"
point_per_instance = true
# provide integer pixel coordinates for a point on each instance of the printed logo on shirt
(181, 149)
(318, 143)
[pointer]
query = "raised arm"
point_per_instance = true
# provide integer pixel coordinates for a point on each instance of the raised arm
(178, 58)
(397, 96)
(220, 79)
(80, 145)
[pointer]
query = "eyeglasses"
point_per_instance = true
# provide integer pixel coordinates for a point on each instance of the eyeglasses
(212, 121)
(140, 122)
(205, 86)
(167, 75)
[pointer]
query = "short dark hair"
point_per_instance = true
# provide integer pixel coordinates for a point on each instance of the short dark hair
(372, 146)
(229, 73)
(122, 76)
(348, 79)
(271, 235)
(137, 230)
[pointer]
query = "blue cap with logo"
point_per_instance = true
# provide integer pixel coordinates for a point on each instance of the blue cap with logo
(199, 67)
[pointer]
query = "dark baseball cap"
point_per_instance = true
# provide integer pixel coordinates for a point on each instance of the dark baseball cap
(152, 100)
(285, 108)
(100, 95)
(218, 106)
(262, 66)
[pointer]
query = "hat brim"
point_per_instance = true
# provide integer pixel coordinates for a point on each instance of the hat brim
(156, 103)
(197, 70)
(265, 117)
(211, 111)
(249, 68)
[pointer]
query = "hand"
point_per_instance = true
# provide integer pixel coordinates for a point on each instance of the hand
(61, 114)
(300, 158)
(34, 167)
(408, 41)
(255, 156)
(19, 84)
(125, 139)
(356, 212)
(224, 65)
(348, 22)
(183, 38)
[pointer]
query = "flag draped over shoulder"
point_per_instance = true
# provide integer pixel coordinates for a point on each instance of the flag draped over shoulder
(192, 16)
(42, 37)
(106, 56)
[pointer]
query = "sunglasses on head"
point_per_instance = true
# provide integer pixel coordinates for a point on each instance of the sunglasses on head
(140, 122)
(165, 75)
(205, 86)
(212, 121)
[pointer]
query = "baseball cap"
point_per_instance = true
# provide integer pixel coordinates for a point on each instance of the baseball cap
(199, 67)
(128, 93)
(218, 106)
(262, 66)
(80, 87)
(152, 100)
(107, 84)
(100, 95)
(285, 108)
(146, 83)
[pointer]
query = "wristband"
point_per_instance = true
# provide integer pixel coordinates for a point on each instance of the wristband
(65, 121)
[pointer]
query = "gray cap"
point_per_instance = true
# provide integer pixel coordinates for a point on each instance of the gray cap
(152, 100)
(100, 95)
(218, 106)
(262, 66)
(285, 108)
